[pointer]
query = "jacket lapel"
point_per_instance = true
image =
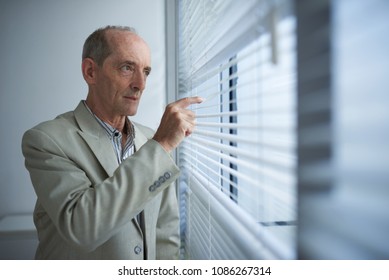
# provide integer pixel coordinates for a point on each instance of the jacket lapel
(147, 227)
(97, 140)
(140, 138)
(93, 134)
(139, 141)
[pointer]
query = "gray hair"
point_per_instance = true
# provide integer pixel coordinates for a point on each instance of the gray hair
(96, 46)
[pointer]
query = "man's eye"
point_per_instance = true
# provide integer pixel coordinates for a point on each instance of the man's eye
(126, 68)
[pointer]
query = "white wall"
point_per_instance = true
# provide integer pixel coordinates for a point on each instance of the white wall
(40, 55)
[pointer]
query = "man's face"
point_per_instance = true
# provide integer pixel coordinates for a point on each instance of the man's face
(121, 79)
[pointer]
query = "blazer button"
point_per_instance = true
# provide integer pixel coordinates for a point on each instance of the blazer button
(161, 180)
(167, 175)
(137, 250)
(152, 188)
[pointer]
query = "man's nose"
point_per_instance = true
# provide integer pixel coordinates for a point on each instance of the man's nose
(139, 81)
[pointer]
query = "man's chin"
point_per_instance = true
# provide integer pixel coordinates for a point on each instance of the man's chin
(132, 112)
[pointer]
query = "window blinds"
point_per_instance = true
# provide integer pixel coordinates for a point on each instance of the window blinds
(344, 130)
(238, 183)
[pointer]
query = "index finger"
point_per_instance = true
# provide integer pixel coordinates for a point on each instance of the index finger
(187, 101)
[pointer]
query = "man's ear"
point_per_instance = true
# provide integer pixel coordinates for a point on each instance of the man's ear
(88, 68)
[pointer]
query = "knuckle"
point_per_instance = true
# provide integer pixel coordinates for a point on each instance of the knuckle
(172, 108)
(176, 114)
(169, 106)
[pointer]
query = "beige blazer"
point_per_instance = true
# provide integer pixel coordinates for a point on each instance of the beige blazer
(86, 202)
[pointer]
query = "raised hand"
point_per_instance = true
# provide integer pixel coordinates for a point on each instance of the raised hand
(177, 122)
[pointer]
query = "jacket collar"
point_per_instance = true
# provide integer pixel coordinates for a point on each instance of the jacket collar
(97, 139)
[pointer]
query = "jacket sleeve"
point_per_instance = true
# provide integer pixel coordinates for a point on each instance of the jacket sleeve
(87, 215)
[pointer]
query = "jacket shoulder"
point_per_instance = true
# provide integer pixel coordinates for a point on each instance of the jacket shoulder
(61, 123)
(147, 131)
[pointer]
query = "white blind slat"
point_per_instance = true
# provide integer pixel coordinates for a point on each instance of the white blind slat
(233, 219)
(239, 163)
(279, 192)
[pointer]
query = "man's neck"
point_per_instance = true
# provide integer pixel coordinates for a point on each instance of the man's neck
(118, 122)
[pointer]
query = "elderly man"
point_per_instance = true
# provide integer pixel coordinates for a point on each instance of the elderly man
(104, 184)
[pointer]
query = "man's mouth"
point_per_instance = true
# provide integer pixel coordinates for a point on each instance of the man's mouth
(132, 98)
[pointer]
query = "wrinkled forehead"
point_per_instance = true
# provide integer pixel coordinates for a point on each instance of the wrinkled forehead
(128, 45)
